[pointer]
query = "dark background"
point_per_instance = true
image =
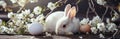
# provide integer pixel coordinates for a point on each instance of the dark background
(82, 8)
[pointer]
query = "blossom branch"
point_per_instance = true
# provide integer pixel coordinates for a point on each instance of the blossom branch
(87, 13)
(91, 6)
(105, 13)
(60, 2)
(22, 7)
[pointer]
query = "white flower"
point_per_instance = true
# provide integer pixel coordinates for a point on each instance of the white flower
(37, 10)
(51, 6)
(3, 28)
(111, 27)
(101, 2)
(108, 20)
(19, 22)
(10, 31)
(0, 21)
(95, 20)
(84, 21)
(11, 15)
(101, 36)
(40, 18)
(94, 30)
(11, 23)
(14, 1)
(101, 27)
(6, 30)
(22, 2)
(20, 16)
(3, 4)
(33, 1)
(32, 19)
(31, 15)
(26, 12)
(116, 16)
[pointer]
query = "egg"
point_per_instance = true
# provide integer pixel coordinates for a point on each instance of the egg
(85, 28)
(35, 28)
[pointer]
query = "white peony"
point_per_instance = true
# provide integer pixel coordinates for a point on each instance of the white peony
(84, 21)
(101, 27)
(101, 2)
(3, 4)
(94, 30)
(51, 6)
(37, 10)
(14, 1)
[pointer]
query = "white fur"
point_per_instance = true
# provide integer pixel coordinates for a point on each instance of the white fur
(56, 20)
(72, 26)
(52, 19)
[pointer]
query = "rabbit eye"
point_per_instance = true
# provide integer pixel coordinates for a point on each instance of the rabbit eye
(64, 26)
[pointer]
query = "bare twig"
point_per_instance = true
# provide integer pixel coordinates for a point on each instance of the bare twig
(87, 12)
(91, 6)
(113, 9)
(49, 13)
(78, 2)
(22, 7)
(111, 13)
(105, 13)
(115, 33)
(92, 3)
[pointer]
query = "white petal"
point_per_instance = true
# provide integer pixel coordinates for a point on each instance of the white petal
(3, 4)
(101, 2)
(94, 30)
(13, 1)
(33, 1)
(51, 6)
(37, 10)
(101, 26)
(10, 15)
(84, 21)
(22, 2)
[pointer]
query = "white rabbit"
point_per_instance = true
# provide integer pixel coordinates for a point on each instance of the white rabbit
(68, 24)
(55, 22)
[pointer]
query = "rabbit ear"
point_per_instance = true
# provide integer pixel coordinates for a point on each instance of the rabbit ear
(72, 12)
(67, 8)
